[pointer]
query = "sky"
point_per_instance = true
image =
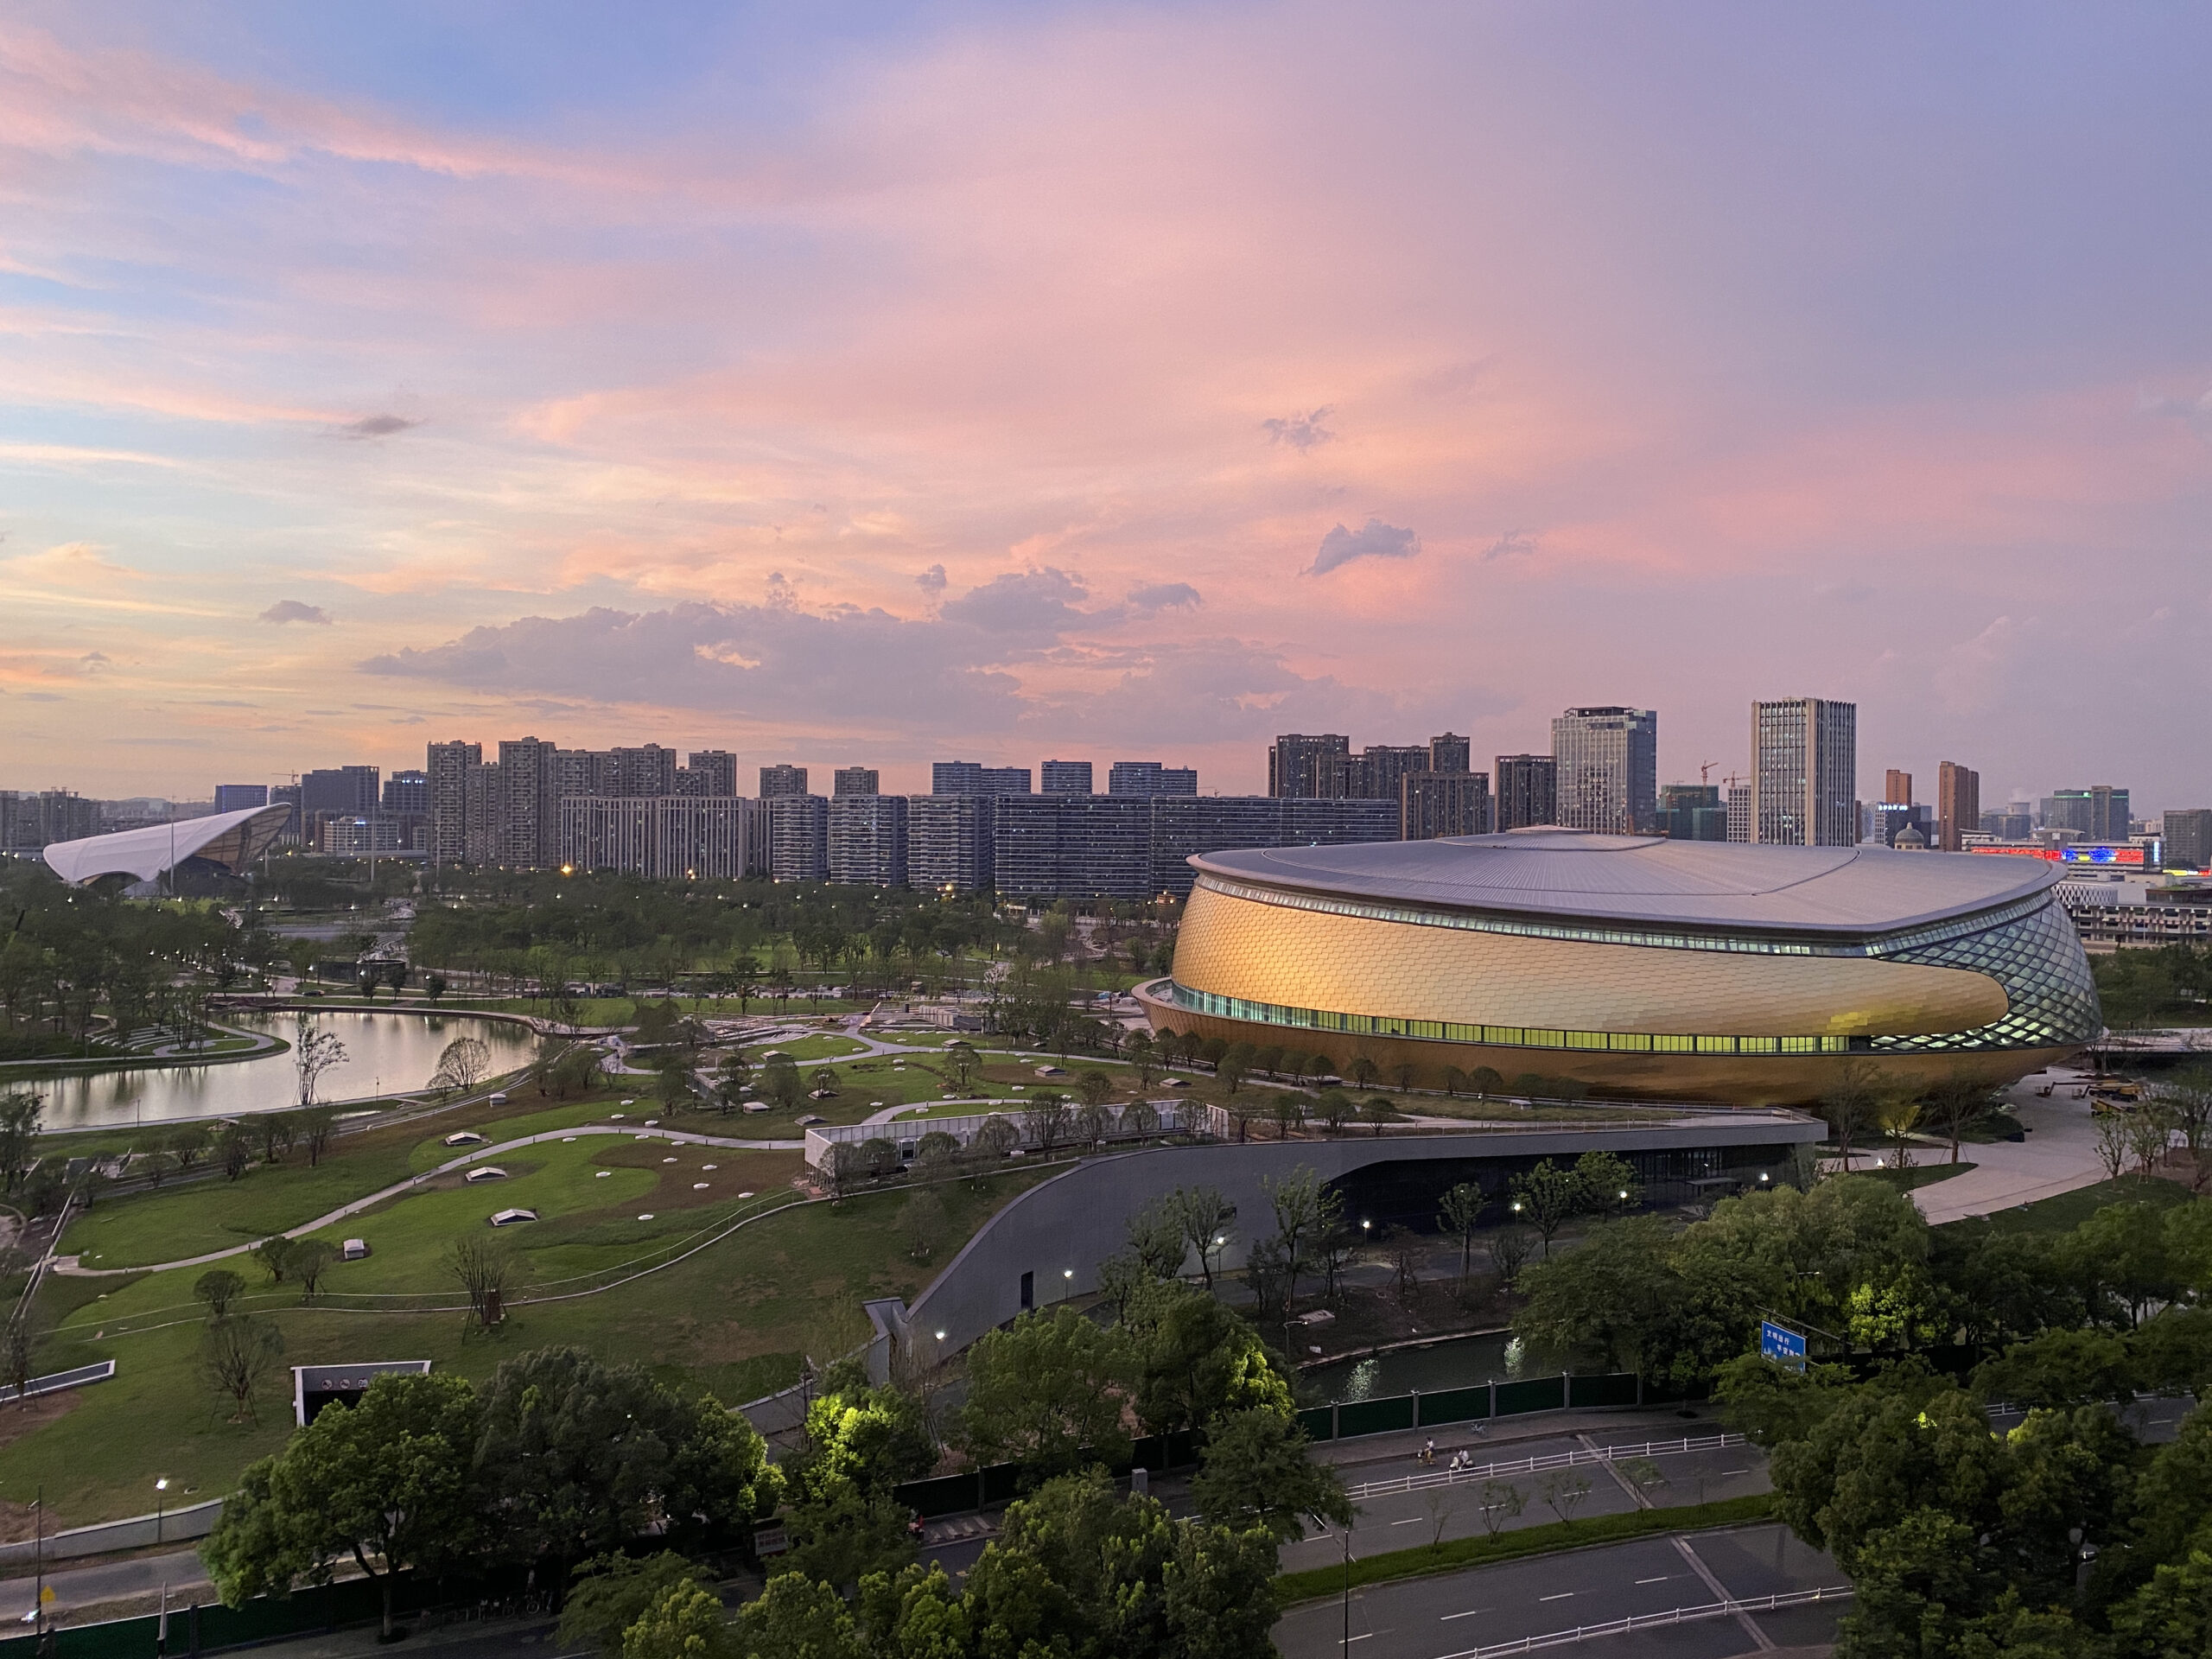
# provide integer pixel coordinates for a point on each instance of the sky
(871, 384)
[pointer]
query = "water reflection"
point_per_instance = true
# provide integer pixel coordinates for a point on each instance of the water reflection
(1456, 1363)
(384, 1052)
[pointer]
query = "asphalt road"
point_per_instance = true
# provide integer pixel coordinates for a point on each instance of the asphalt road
(79, 1585)
(1433, 1619)
(1400, 1521)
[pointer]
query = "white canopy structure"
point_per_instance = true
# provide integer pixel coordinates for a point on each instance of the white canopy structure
(232, 840)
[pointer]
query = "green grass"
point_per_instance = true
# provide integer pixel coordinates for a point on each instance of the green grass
(804, 1049)
(2070, 1210)
(1919, 1175)
(735, 1318)
(1456, 1554)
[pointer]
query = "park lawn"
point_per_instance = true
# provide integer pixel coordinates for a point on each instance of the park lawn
(2070, 1210)
(735, 1320)
(1904, 1180)
(809, 1049)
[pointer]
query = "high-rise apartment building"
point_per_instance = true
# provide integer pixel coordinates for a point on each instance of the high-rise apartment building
(973, 778)
(1805, 772)
(1304, 767)
(867, 839)
(798, 837)
(673, 837)
(1124, 847)
(1607, 764)
(949, 841)
(1448, 752)
(1434, 803)
(448, 768)
(2189, 836)
(1065, 777)
(480, 815)
(1958, 806)
(1528, 791)
(854, 780)
(780, 782)
(1150, 778)
(1897, 788)
(528, 833)
(1374, 774)
(709, 773)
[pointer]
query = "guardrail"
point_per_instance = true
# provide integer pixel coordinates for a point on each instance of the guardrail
(1727, 1609)
(1448, 1476)
(54, 1381)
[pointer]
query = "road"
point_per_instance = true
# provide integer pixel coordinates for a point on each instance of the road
(86, 1586)
(1437, 1618)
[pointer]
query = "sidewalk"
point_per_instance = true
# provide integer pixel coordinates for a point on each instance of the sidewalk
(1625, 1423)
(2059, 1155)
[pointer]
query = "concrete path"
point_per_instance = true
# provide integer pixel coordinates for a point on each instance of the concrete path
(85, 1587)
(70, 1264)
(2059, 1155)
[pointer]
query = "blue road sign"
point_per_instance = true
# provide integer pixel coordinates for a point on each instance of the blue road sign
(1778, 1343)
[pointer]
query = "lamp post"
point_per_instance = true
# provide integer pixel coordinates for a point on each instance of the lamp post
(1343, 1539)
(160, 1504)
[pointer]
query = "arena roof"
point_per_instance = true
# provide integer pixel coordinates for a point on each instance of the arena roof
(1701, 884)
(232, 840)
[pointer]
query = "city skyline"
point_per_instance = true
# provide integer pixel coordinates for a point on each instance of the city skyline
(773, 388)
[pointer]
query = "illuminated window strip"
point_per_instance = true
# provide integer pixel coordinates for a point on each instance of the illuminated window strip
(1730, 943)
(1445, 1031)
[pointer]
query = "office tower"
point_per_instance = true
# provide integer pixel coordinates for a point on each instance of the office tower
(1150, 778)
(711, 773)
(779, 782)
(1299, 765)
(2013, 823)
(339, 792)
(1433, 804)
(1693, 812)
(798, 837)
(529, 795)
(854, 780)
(1897, 788)
(1958, 806)
(1065, 777)
(971, 777)
(668, 837)
(1739, 813)
(1804, 773)
(2099, 812)
(448, 767)
(1606, 761)
(1448, 752)
(949, 843)
(238, 798)
(2188, 838)
(868, 840)
(1528, 791)
(407, 795)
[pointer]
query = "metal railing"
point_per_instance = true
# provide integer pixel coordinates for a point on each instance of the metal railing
(1727, 1609)
(1430, 1479)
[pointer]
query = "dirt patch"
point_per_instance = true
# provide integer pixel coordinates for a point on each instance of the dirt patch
(16, 1520)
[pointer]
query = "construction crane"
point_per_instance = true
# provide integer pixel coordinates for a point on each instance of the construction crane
(1705, 773)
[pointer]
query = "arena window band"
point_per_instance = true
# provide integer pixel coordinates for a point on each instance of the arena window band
(2027, 946)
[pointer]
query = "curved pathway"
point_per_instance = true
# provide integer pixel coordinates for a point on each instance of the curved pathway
(69, 1264)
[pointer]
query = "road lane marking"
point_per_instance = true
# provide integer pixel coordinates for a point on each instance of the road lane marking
(1562, 1596)
(1662, 1579)
(1470, 1613)
(1411, 1521)
(1724, 1473)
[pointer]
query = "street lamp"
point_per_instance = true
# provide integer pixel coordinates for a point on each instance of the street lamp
(161, 1503)
(1344, 1538)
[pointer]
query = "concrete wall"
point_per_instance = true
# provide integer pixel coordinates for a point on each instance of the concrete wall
(176, 1527)
(1062, 1230)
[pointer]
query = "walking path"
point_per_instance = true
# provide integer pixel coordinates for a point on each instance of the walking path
(70, 1264)
(2059, 1155)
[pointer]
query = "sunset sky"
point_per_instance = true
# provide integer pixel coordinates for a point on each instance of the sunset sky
(862, 386)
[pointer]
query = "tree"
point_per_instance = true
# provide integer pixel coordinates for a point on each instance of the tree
(1094, 1087)
(1044, 1122)
(236, 1356)
(1196, 1359)
(1334, 1108)
(309, 1260)
(1403, 1074)
(314, 1126)
(462, 1064)
(1897, 1116)
(1234, 1065)
(1461, 1215)
(484, 1268)
(275, 1254)
(922, 1219)
(1256, 1472)
(1362, 1070)
(21, 1115)
(685, 1621)
(1616, 1296)
(1046, 1391)
(1547, 1198)
(235, 1151)
(1955, 1102)
(1501, 1501)
(315, 1051)
(611, 1592)
(386, 1482)
(1853, 1092)
(1304, 1210)
(18, 1349)
(1563, 1490)
(1204, 1217)
(779, 1082)
(2112, 1147)
(218, 1288)
(433, 987)
(1378, 1111)
(673, 1089)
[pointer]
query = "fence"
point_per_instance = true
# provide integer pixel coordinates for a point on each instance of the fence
(1349, 1418)
(1451, 1476)
(1002, 1483)
(1170, 1117)
(1727, 1609)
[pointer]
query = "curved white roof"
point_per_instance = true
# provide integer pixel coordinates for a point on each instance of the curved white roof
(233, 840)
(1642, 880)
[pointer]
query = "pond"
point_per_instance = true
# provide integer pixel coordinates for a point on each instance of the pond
(383, 1053)
(1455, 1362)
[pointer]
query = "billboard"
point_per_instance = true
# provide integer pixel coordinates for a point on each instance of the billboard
(2128, 855)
